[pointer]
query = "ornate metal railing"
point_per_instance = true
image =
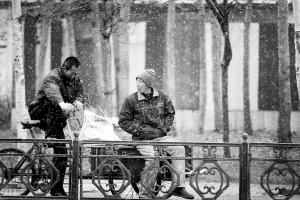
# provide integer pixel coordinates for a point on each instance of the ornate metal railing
(279, 174)
(107, 169)
(116, 169)
(27, 167)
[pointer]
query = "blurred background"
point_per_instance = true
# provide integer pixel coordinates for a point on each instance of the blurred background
(229, 66)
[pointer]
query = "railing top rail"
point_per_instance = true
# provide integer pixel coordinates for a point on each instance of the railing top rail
(34, 140)
(158, 143)
(285, 145)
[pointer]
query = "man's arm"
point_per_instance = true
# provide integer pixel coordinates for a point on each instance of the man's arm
(52, 90)
(126, 121)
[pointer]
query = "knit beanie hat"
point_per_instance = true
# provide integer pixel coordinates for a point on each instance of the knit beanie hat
(148, 76)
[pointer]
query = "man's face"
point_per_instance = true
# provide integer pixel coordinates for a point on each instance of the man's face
(141, 86)
(70, 74)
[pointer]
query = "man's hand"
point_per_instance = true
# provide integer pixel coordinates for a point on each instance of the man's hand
(149, 133)
(66, 107)
(165, 129)
(78, 105)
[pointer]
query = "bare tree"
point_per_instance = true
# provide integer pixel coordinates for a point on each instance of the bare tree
(221, 12)
(202, 71)
(43, 37)
(284, 129)
(296, 11)
(106, 16)
(170, 52)
(217, 43)
(170, 49)
(122, 53)
(247, 114)
(68, 40)
(18, 68)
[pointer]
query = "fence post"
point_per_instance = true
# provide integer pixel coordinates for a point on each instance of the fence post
(244, 193)
(74, 173)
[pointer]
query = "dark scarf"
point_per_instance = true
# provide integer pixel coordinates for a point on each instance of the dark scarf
(149, 95)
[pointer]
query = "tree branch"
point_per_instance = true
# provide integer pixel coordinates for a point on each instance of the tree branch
(216, 11)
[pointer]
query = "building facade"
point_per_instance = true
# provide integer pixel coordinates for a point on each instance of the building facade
(146, 48)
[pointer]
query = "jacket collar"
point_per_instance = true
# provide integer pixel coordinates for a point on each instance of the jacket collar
(141, 97)
(63, 78)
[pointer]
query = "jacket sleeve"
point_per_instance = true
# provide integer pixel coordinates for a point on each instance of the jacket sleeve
(79, 90)
(126, 120)
(52, 90)
(169, 112)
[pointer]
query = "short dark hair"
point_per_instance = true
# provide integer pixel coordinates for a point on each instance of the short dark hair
(71, 61)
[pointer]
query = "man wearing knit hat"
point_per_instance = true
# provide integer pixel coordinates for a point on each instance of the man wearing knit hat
(148, 115)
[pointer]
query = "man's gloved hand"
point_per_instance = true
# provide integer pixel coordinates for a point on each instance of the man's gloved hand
(66, 107)
(78, 105)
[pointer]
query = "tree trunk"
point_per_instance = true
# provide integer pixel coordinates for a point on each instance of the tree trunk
(202, 71)
(284, 129)
(98, 57)
(122, 54)
(247, 114)
(69, 45)
(18, 67)
(113, 76)
(170, 52)
(296, 10)
(217, 44)
(108, 90)
(225, 64)
(71, 39)
(227, 56)
(41, 65)
(170, 48)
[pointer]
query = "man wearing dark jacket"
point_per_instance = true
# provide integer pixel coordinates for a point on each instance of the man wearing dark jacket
(148, 115)
(60, 92)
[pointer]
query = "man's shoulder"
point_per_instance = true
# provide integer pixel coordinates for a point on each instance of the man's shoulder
(54, 73)
(133, 95)
(160, 92)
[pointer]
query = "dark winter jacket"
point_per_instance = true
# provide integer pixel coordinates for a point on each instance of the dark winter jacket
(56, 89)
(147, 118)
(45, 106)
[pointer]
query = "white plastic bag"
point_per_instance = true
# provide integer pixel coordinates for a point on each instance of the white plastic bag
(96, 127)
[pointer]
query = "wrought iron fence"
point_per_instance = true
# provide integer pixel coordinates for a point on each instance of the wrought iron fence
(107, 169)
(28, 167)
(278, 171)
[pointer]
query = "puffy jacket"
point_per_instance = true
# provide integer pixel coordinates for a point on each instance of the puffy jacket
(147, 118)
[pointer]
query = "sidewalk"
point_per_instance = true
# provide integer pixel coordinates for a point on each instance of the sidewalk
(231, 193)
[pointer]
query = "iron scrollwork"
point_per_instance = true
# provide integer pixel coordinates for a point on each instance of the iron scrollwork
(281, 153)
(209, 152)
(43, 178)
(209, 168)
(286, 174)
(104, 176)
